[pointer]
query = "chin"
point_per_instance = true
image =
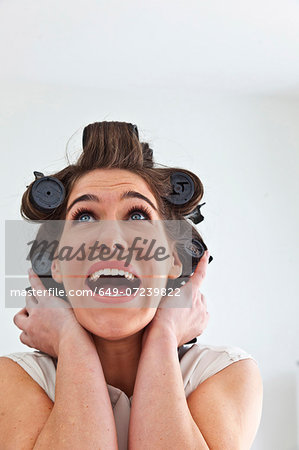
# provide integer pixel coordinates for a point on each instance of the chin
(114, 327)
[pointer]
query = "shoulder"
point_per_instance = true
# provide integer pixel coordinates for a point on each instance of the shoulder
(228, 397)
(40, 366)
(24, 406)
(201, 361)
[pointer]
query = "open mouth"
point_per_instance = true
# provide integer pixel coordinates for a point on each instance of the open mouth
(113, 282)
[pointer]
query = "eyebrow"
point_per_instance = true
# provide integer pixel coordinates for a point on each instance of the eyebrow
(95, 198)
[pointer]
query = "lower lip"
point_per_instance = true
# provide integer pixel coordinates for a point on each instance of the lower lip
(111, 298)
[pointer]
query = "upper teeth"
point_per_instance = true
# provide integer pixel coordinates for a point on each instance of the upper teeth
(94, 276)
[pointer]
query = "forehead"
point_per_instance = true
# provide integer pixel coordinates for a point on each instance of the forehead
(110, 183)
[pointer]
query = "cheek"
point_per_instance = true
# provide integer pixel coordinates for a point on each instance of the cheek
(73, 275)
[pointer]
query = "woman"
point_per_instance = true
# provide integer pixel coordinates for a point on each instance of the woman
(119, 375)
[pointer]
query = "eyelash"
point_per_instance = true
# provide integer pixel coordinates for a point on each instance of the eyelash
(142, 209)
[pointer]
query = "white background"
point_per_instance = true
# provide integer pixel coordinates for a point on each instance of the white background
(214, 89)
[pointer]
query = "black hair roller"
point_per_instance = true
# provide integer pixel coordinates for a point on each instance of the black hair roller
(46, 193)
(182, 188)
(196, 248)
(135, 130)
(41, 262)
(196, 215)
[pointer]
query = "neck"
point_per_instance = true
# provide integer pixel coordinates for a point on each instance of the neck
(119, 359)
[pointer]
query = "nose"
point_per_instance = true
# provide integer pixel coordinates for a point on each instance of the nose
(112, 235)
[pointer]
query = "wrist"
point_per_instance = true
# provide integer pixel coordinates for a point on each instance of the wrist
(75, 336)
(162, 334)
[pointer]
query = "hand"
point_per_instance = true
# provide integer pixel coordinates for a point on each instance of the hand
(183, 323)
(45, 320)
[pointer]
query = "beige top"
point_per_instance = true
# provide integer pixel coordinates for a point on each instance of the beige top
(197, 361)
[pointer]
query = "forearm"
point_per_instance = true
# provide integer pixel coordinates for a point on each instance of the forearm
(82, 416)
(160, 417)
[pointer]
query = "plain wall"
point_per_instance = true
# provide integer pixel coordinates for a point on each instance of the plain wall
(245, 149)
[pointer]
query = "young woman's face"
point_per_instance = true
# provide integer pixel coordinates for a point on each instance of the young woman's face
(106, 216)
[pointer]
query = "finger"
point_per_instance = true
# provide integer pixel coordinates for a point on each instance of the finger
(40, 290)
(24, 338)
(31, 302)
(23, 311)
(204, 301)
(200, 271)
(204, 321)
(20, 319)
(207, 318)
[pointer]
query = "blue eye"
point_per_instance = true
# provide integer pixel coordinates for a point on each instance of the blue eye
(136, 214)
(83, 215)
(85, 218)
(139, 211)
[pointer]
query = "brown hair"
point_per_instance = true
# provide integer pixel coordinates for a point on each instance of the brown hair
(116, 145)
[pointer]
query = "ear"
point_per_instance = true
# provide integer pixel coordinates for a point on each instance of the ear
(56, 273)
(176, 265)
